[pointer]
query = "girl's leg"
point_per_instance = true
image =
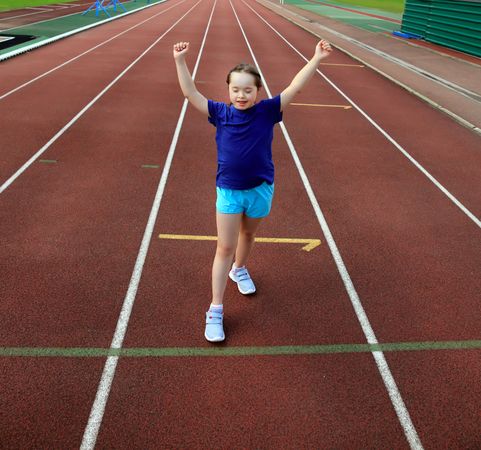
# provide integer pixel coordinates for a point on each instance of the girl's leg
(245, 242)
(228, 226)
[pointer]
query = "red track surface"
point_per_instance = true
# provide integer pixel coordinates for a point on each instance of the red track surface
(71, 233)
(440, 49)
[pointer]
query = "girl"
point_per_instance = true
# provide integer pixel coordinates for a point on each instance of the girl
(245, 173)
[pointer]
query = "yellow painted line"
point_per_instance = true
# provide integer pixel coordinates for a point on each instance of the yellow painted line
(322, 106)
(342, 65)
(310, 243)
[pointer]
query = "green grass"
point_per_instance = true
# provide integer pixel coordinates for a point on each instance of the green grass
(6, 5)
(395, 6)
(383, 5)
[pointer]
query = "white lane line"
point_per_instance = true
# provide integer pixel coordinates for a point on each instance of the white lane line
(431, 178)
(84, 53)
(98, 407)
(84, 109)
(393, 391)
(4, 19)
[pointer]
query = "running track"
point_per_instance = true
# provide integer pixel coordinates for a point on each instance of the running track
(71, 233)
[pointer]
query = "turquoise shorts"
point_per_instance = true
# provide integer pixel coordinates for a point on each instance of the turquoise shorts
(255, 203)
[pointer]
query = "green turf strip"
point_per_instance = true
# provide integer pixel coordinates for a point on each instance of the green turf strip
(78, 352)
(395, 6)
(351, 18)
(382, 5)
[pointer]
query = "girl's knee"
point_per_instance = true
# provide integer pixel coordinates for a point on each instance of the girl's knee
(225, 249)
(248, 235)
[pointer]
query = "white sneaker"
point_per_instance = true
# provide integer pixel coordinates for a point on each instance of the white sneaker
(244, 281)
(214, 330)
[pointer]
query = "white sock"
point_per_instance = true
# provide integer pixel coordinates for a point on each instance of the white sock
(216, 308)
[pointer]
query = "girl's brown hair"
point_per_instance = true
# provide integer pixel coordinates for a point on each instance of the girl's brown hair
(247, 68)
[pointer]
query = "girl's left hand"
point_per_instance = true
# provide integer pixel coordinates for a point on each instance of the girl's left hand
(323, 49)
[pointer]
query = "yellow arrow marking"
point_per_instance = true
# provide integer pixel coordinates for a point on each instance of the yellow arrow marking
(311, 243)
(322, 106)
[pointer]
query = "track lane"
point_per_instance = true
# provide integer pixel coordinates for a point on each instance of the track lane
(44, 401)
(443, 393)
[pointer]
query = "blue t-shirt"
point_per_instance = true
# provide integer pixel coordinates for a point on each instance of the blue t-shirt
(244, 139)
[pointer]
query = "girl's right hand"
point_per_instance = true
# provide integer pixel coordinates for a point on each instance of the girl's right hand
(181, 49)
(323, 49)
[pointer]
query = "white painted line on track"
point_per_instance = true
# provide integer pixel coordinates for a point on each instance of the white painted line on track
(431, 178)
(85, 108)
(3, 19)
(40, 11)
(98, 407)
(84, 53)
(389, 382)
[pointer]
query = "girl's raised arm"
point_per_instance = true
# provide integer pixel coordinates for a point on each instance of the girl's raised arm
(323, 49)
(185, 79)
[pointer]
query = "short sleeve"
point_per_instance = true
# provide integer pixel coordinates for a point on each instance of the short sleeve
(216, 110)
(273, 108)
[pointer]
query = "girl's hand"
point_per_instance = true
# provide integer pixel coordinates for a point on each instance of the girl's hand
(323, 49)
(181, 49)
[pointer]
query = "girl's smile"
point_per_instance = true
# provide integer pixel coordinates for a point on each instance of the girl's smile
(242, 90)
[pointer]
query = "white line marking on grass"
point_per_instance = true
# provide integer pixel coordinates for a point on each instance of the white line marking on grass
(84, 53)
(393, 391)
(383, 132)
(98, 408)
(86, 108)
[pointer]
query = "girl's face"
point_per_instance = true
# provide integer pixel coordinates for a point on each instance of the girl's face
(242, 90)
